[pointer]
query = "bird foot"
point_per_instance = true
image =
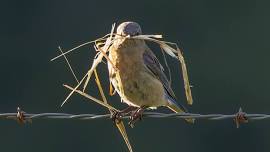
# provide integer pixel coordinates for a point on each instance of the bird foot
(117, 115)
(135, 116)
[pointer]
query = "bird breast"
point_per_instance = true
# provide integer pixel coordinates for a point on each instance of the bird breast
(133, 82)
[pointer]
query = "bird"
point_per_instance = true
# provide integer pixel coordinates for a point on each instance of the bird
(137, 75)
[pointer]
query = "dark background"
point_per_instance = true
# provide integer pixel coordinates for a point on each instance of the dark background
(226, 49)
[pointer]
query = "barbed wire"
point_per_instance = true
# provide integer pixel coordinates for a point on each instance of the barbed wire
(239, 117)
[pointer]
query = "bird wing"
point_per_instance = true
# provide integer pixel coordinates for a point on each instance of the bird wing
(156, 69)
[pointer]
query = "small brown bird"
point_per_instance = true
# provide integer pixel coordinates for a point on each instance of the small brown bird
(139, 79)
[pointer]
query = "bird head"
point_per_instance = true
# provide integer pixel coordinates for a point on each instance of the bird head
(129, 29)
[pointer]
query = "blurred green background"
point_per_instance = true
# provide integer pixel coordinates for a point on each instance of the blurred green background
(226, 49)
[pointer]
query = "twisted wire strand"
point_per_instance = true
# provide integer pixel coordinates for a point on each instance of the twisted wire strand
(240, 116)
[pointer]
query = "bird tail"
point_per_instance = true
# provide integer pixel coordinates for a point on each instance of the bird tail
(178, 109)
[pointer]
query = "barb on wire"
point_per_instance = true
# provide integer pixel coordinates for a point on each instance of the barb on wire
(239, 117)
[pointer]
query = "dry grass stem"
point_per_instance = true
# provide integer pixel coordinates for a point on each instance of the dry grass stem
(120, 125)
(74, 90)
(99, 58)
(69, 65)
(86, 43)
(91, 98)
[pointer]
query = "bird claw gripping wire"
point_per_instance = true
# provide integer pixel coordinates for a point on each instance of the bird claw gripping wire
(135, 116)
(240, 117)
(117, 115)
(20, 117)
